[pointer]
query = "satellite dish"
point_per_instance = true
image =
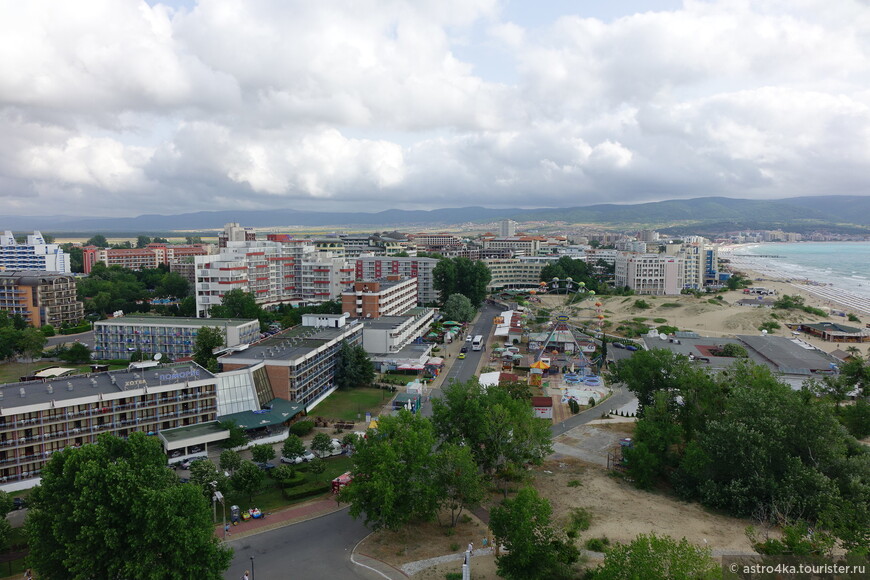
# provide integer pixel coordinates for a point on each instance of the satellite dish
(158, 356)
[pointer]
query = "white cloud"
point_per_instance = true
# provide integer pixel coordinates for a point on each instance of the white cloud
(371, 104)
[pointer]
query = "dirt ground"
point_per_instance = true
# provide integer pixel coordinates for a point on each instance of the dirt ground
(620, 511)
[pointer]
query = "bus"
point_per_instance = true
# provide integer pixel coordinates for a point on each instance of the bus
(477, 342)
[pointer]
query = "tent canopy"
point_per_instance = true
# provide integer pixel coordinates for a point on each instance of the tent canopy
(540, 365)
(451, 323)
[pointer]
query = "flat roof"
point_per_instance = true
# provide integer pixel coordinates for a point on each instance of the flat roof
(288, 345)
(175, 321)
(91, 384)
(789, 355)
(386, 322)
(281, 410)
(832, 327)
(189, 431)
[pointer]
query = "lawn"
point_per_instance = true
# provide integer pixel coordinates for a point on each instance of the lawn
(346, 405)
(271, 497)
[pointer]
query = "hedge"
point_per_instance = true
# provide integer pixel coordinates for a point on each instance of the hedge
(297, 480)
(76, 329)
(302, 427)
(307, 490)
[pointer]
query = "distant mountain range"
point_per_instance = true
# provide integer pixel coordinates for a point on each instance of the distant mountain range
(835, 212)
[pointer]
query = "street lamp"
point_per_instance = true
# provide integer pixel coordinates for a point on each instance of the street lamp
(252, 568)
(219, 497)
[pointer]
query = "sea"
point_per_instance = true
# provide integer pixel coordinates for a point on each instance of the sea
(836, 267)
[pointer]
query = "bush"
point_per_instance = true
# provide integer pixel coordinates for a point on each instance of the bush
(598, 544)
(642, 304)
(454, 547)
(307, 490)
(852, 318)
(660, 320)
(575, 483)
(671, 305)
(579, 520)
(295, 481)
(574, 406)
(302, 428)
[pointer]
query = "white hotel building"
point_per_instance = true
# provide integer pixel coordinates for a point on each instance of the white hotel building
(33, 254)
(652, 274)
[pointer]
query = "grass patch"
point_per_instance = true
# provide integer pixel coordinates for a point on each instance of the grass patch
(640, 319)
(598, 544)
(660, 320)
(346, 405)
(575, 482)
(671, 305)
(271, 496)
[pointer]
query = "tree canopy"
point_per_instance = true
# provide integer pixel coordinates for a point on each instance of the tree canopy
(392, 473)
(114, 510)
(353, 368)
(567, 267)
(461, 276)
(459, 308)
(651, 556)
(745, 443)
(208, 339)
(534, 549)
(499, 429)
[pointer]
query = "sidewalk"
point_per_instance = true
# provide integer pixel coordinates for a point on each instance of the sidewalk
(280, 518)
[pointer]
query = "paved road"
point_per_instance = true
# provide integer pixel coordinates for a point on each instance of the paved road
(318, 548)
(462, 370)
(85, 337)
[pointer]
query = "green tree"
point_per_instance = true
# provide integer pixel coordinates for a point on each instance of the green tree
(461, 276)
(159, 240)
(99, 241)
(458, 307)
(248, 479)
(317, 466)
(393, 474)
(76, 263)
(114, 510)
(321, 444)
(500, 431)
(47, 330)
(534, 549)
(237, 436)
(208, 339)
(263, 453)
(650, 371)
(651, 556)
(353, 368)
(205, 475)
(5, 525)
(172, 285)
(230, 460)
(458, 480)
(293, 446)
(77, 353)
(237, 304)
(31, 343)
(142, 241)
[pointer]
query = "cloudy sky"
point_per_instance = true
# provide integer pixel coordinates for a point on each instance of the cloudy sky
(125, 107)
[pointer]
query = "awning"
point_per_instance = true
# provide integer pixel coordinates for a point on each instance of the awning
(451, 323)
(281, 411)
(410, 367)
(435, 360)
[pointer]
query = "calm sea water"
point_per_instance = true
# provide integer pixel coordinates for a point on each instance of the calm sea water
(846, 265)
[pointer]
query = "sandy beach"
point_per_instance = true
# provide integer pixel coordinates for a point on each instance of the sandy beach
(710, 316)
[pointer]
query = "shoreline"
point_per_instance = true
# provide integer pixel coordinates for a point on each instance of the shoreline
(826, 295)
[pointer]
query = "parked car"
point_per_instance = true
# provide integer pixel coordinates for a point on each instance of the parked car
(265, 466)
(307, 456)
(630, 347)
(618, 345)
(19, 503)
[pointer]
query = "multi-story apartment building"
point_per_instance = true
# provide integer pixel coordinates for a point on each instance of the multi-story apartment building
(388, 335)
(150, 256)
(233, 232)
(701, 264)
(520, 246)
(120, 338)
(41, 297)
(300, 363)
(434, 242)
(514, 272)
(33, 254)
(507, 228)
(376, 298)
(380, 267)
(39, 418)
(322, 278)
(654, 274)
